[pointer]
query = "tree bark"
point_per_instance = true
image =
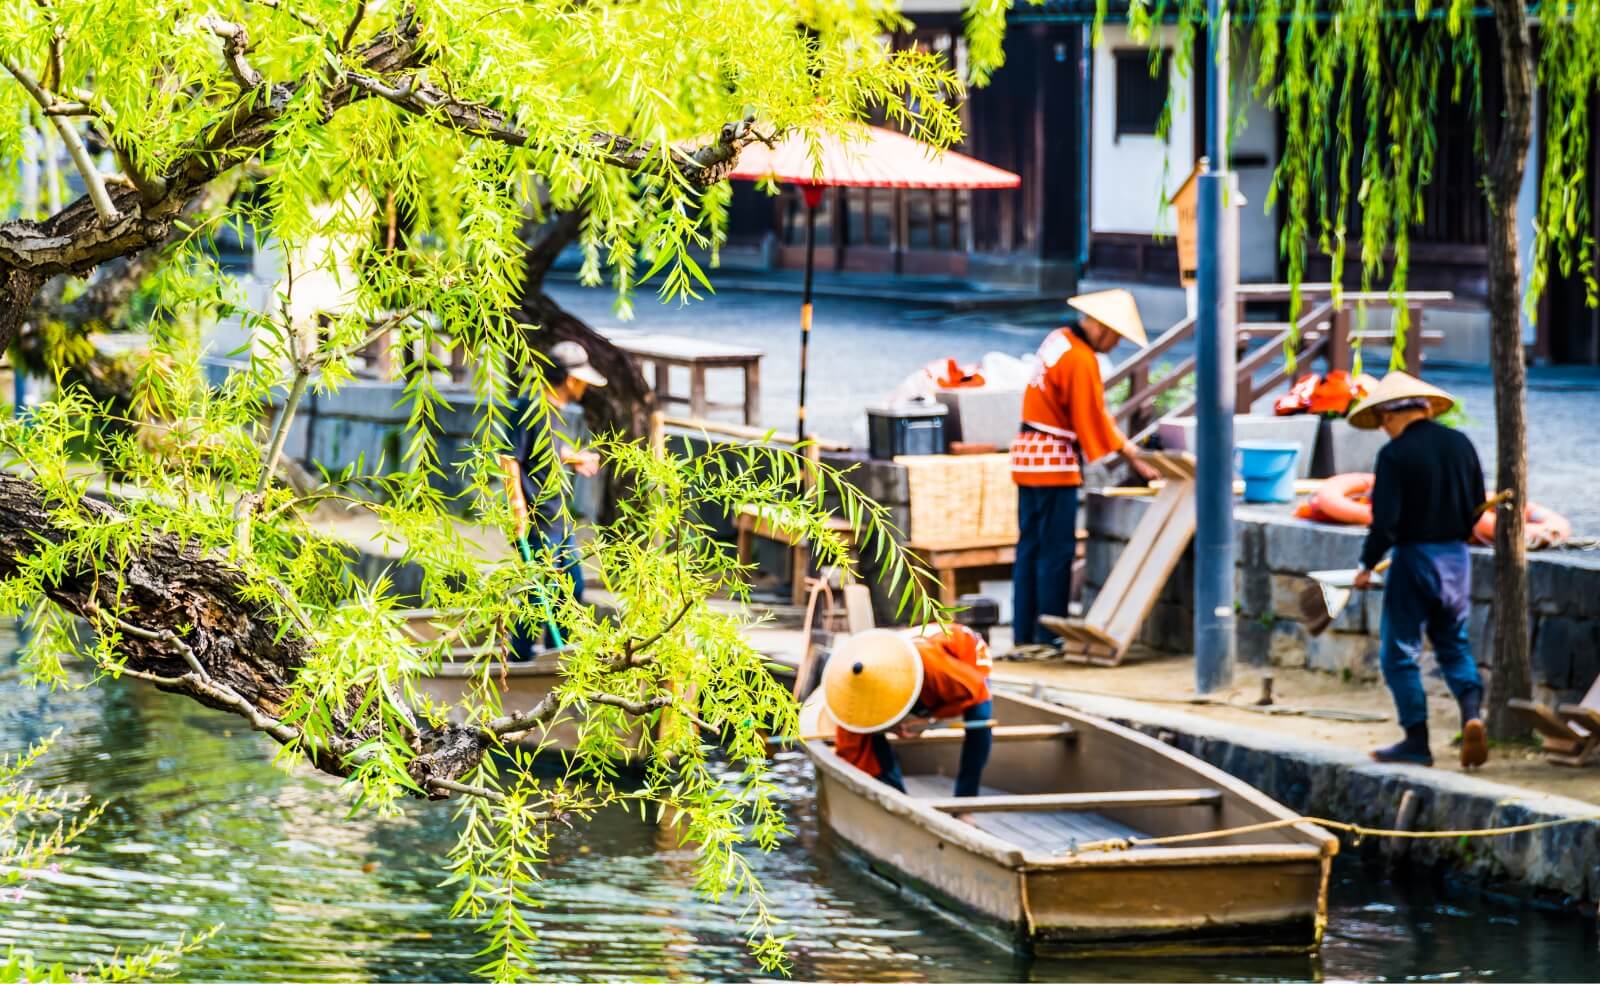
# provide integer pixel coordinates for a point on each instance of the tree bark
(1511, 673)
(625, 403)
(182, 603)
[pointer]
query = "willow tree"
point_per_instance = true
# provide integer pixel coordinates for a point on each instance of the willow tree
(200, 573)
(1359, 84)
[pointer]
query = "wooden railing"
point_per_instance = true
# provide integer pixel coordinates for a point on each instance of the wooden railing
(1322, 332)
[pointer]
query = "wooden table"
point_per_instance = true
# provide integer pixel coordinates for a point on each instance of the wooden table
(663, 352)
(947, 560)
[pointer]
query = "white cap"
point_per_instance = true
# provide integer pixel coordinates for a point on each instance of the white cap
(575, 360)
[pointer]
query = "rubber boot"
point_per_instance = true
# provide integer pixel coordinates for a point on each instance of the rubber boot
(1474, 736)
(1412, 750)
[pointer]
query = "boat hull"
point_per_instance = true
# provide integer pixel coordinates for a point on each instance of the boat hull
(521, 686)
(1234, 895)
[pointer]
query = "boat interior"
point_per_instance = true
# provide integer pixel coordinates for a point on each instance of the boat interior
(1055, 782)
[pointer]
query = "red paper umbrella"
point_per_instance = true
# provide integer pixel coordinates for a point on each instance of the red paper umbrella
(872, 157)
(869, 157)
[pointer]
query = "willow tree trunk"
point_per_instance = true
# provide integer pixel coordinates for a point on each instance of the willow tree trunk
(625, 403)
(1511, 674)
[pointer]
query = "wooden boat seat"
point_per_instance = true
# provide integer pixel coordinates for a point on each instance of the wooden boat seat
(1046, 830)
(1079, 802)
(1001, 732)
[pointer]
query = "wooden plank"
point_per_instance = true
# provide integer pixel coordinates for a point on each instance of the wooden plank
(858, 608)
(1135, 605)
(1002, 732)
(1126, 569)
(1543, 720)
(950, 558)
(1079, 802)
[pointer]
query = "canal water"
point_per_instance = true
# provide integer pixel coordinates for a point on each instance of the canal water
(201, 829)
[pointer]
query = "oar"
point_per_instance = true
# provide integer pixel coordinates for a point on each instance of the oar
(1328, 594)
(519, 512)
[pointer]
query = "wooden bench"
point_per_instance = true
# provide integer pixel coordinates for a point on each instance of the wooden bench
(1080, 802)
(749, 523)
(662, 352)
(947, 561)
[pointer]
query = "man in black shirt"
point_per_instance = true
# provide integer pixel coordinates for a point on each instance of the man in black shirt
(1426, 496)
(546, 438)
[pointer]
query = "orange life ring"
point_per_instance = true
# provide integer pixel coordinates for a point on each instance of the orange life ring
(1545, 527)
(1343, 498)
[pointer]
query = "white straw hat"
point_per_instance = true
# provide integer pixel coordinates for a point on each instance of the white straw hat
(1116, 310)
(1396, 386)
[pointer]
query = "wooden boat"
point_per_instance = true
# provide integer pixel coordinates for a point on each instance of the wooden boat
(521, 686)
(1058, 780)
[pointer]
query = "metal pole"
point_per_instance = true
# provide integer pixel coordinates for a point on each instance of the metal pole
(813, 197)
(1216, 369)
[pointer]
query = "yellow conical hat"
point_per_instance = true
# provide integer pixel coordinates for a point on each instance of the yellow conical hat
(1116, 310)
(872, 681)
(1367, 414)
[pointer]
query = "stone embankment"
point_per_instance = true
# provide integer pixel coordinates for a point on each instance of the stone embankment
(1557, 865)
(1275, 552)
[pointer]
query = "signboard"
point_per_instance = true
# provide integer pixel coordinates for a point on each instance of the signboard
(1185, 200)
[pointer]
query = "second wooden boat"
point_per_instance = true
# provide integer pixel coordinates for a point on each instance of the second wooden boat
(1056, 782)
(521, 687)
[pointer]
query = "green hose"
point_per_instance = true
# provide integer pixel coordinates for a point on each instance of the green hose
(544, 601)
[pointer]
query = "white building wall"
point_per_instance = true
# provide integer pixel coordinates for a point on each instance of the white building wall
(1254, 158)
(1133, 175)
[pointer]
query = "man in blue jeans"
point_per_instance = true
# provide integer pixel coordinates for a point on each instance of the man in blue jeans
(1064, 423)
(1426, 497)
(547, 444)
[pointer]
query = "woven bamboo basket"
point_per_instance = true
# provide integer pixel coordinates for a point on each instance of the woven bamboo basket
(963, 500)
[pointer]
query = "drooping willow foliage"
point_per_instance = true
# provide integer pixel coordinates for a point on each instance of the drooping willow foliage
(1361, 85)
(467, 118)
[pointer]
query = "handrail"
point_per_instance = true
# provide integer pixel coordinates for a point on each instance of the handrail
(1169, 338)
(1323, 331)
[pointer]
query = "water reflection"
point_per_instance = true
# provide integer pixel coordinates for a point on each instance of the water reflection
(201, 828)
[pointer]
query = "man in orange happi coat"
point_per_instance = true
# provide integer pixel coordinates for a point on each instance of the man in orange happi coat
(1064, 424)
(878, 678)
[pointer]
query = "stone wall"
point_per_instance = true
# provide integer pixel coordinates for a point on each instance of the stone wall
(367, 421)
(1275, 552)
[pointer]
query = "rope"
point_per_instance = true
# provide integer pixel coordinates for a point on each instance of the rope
(1355, 829)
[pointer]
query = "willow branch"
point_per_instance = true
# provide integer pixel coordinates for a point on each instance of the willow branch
(303, 18)
(92, 179)
(235, 43)
(466, 789)
(635, 653)
(510, 724)
(354, 26)
(701, 166)
(634, 707)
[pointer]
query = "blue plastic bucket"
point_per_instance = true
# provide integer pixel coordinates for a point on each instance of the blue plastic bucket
(1267, 468)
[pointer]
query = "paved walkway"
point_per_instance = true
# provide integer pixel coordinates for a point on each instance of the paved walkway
(861, 349)
(1308, 707)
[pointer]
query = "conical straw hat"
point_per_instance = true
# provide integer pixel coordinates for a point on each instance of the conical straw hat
(1368, 414)
(872, 681)
(1116, 310)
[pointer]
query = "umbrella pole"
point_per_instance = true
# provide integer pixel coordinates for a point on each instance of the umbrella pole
(813, 198)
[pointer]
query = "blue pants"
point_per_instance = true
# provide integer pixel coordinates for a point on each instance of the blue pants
(974, 754)
(1047, 541)
(1427, 589)
(565, 549)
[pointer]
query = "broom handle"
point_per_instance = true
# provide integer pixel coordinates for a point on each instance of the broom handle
(519, 514)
